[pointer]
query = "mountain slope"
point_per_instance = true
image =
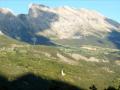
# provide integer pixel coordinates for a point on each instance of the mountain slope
(78, 26)
(71, 23)
(43, 25)
(82, 66)
(15, 28)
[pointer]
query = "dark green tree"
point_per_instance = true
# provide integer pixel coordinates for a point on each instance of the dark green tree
(93, 87)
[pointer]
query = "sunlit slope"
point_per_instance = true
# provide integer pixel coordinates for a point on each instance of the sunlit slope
(7, 41)
(82, 66)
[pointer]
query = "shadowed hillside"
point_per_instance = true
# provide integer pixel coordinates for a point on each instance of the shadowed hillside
(30, 81)
(20, 28)
(33, 82)
(114, 37)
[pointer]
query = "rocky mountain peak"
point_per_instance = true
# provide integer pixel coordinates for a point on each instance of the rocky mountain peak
(33, 6)
(91, 13)
(5, 11)
(62, 20)
(58, 23)
(37, 7)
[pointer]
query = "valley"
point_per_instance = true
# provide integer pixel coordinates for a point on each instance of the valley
(58, 49)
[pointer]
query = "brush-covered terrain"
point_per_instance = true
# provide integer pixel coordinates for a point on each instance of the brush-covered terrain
(82, 66)
(60, 48)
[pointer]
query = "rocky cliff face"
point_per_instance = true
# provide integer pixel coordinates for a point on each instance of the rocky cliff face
(56, 23)
(66, 22)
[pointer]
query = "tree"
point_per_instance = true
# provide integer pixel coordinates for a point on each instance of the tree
(34, 39)
(93, 87)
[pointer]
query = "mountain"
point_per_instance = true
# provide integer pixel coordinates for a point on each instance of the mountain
(58, 49)
(13, 26)
(69, 23)
(59, 25)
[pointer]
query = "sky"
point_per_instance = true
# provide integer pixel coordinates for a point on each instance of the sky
(109, 8)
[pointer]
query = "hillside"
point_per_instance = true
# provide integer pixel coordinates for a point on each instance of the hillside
(82, 67)
(45, 25)
(58, 49)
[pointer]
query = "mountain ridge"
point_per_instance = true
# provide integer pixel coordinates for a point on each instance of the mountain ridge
(56, 23)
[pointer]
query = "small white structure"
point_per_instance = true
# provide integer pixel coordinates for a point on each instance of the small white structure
(1, 33)
(62, 73)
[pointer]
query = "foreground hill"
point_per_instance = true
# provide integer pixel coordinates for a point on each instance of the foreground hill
(80, 67)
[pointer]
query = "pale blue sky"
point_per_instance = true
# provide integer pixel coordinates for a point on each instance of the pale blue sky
(109, 8)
